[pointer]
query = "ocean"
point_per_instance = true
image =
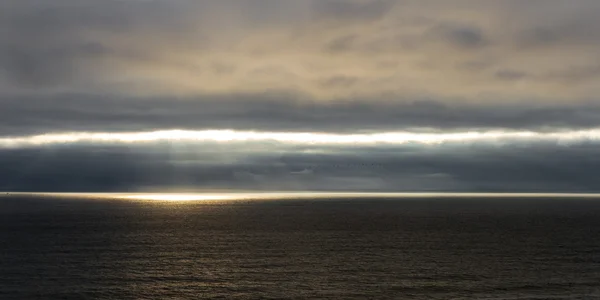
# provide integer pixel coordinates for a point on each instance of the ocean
(54, 247)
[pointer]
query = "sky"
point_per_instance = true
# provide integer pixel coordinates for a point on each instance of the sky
(300, 95)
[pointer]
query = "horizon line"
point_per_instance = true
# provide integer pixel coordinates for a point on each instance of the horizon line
(246, 195)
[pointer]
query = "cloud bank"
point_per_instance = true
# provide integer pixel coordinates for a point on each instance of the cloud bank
(515, 167)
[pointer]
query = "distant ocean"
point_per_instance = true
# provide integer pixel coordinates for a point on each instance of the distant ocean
(345, 248)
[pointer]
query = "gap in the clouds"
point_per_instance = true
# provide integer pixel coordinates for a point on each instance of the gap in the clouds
(296, 138)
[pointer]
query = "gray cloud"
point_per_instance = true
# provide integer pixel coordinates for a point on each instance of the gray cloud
(510, 75)
(25, 115)
(45, 64)
(342, 43)
(572, 25)
(405, 48)
(575, 74)
(522, 167)
(40, 44)
(352, 10)
(462, 36)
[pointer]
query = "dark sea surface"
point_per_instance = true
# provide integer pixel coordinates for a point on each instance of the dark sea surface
(425, 248)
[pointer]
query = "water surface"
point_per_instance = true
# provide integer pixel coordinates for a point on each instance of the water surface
(323, 248)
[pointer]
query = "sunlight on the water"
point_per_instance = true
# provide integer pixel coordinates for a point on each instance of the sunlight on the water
(179, 197)
(233, 196)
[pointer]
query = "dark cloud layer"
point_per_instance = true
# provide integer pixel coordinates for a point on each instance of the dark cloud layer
(25, 115)
(525, 167)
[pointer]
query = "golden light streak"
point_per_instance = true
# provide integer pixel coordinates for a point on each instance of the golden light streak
(179, 197)
(245, 196)
(226, 136)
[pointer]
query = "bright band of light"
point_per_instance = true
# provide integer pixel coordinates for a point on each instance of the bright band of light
(223, 136)
(245, 196)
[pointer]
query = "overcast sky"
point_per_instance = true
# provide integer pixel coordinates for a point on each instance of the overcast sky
(488, 95)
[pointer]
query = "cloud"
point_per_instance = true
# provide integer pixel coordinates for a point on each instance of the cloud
(329, 66)
(403, 48)
(26, 115)
(464, 37)
(352, 10)
(510, 75)
(526, 167)
(45, 65)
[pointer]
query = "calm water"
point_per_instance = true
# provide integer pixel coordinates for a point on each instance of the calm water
(52, 248)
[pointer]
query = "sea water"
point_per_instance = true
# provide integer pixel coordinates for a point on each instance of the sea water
(55, 247)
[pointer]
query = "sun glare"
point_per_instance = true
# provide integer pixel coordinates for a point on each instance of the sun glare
(178, 197)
